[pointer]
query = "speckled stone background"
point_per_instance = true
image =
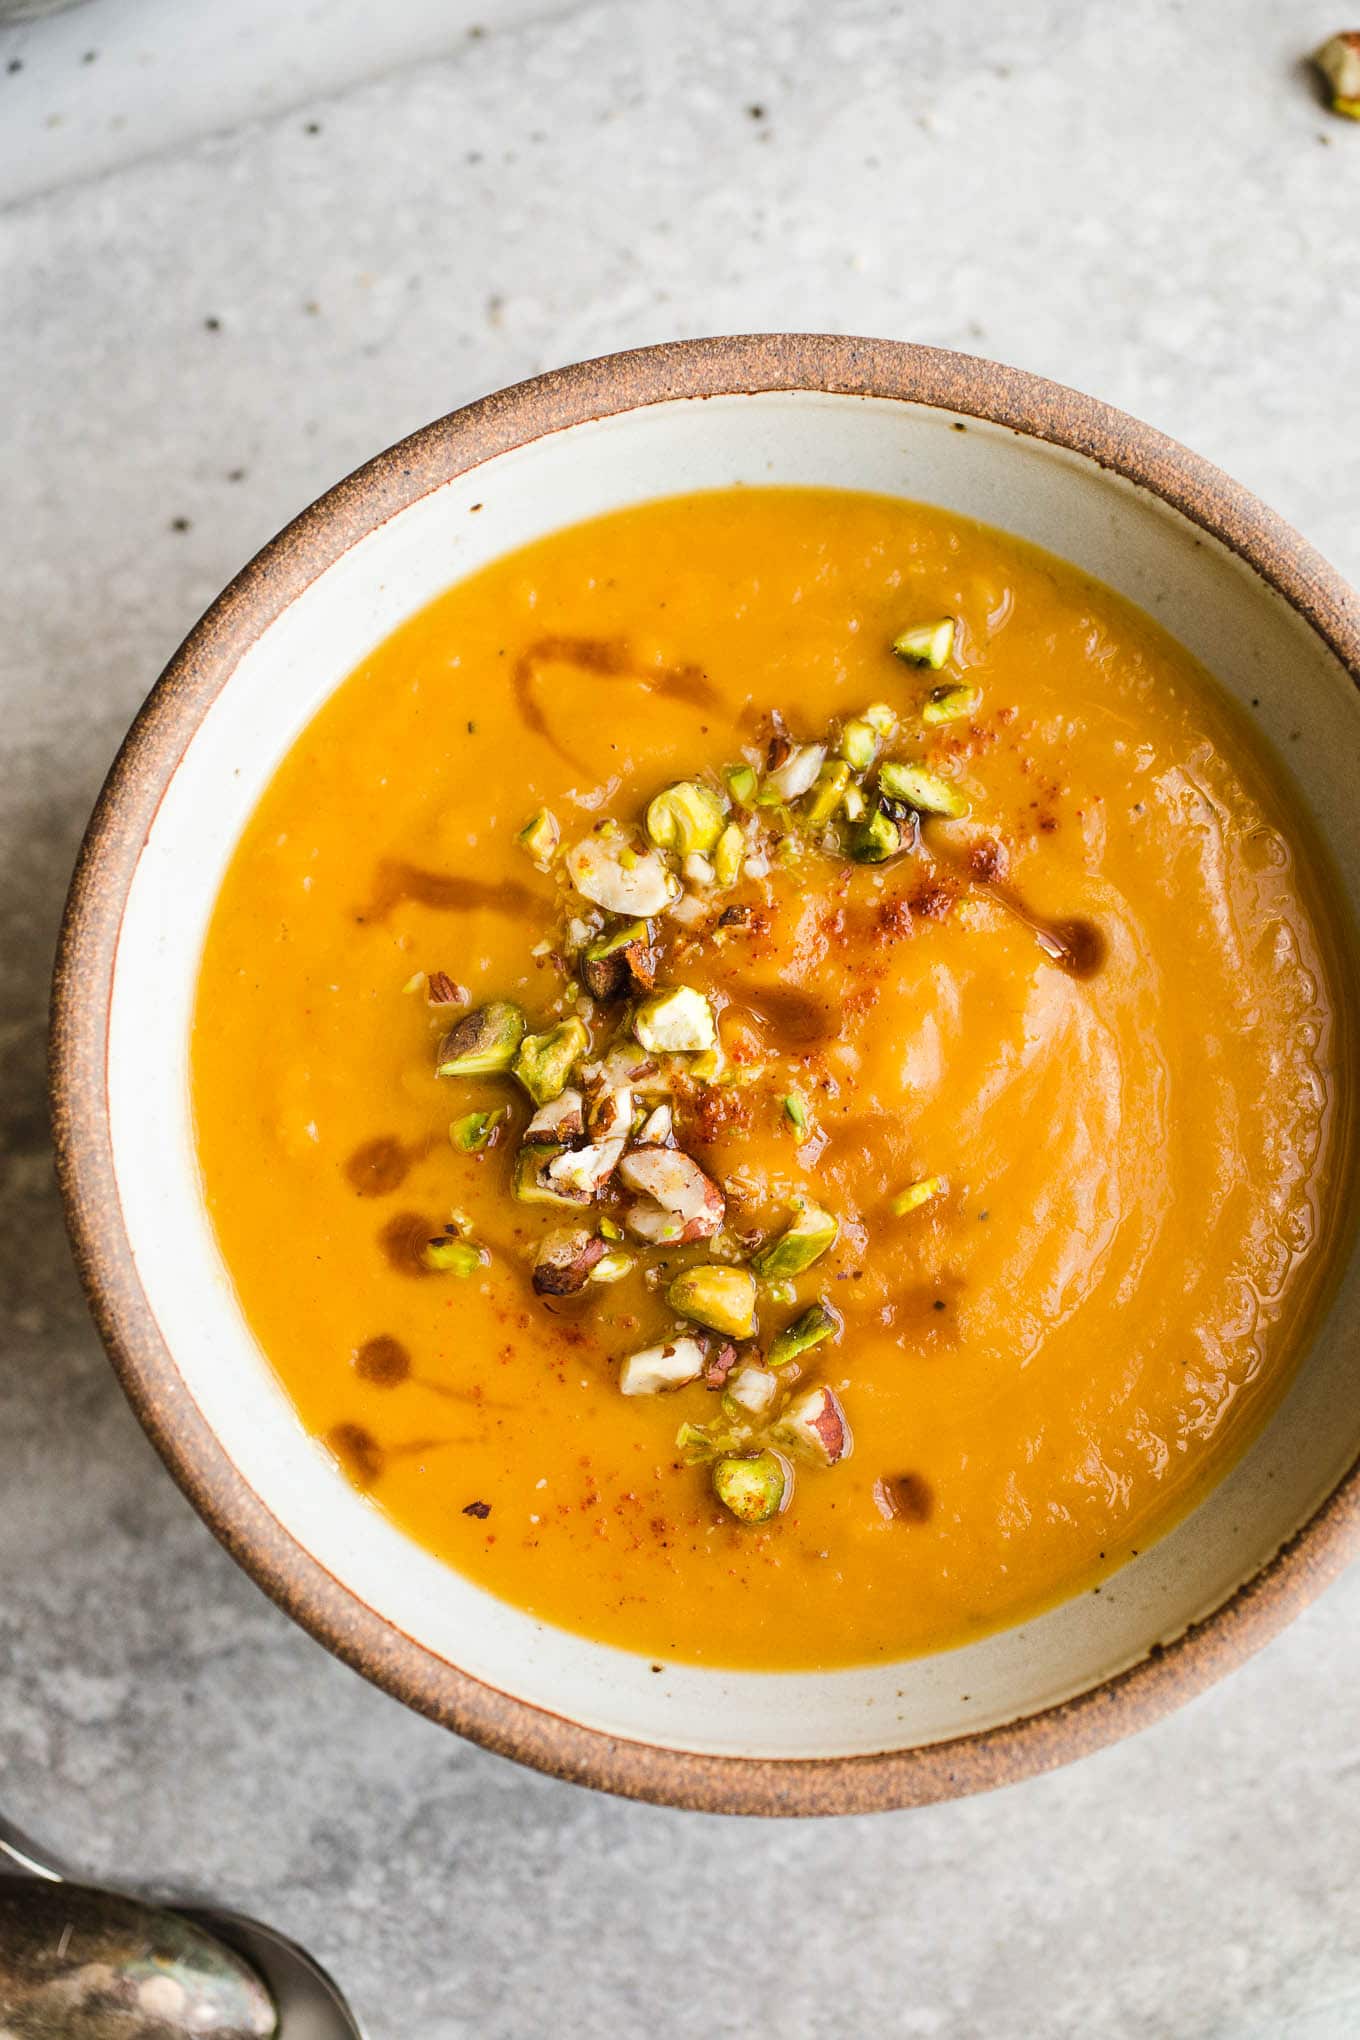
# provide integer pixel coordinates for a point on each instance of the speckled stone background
(245, 253)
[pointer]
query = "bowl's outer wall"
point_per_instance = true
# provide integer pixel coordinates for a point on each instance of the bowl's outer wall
(119, 829)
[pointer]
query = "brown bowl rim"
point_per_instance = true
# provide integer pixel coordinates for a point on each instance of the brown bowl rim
(965, 386)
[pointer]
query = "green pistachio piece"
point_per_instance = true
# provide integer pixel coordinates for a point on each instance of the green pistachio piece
(921, 789)
(950, 704)
(475, 1130)
(687, 818)
(853, 803)
(724, 1299)
(859, 744)
(817, 1323)
(452, 1257)
(676, 1022)
(742, 782)
(621, 962)
(482, 1043)
(916, 1194)
(805, 1241)
(545, 1061)
(694, 1443)
(926, 644)
(754, 1487)
(532, 1183)
(540, 836)
(827, 792)
(728, 855)
(796, 1111)
(612, 1267)
(877, 838)
(881, 717)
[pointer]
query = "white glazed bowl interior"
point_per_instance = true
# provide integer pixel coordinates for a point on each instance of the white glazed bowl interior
(1219, 608)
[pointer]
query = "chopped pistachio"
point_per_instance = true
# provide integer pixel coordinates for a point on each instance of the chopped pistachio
(1339, 62)
(796, 1111)
(882, 717)
(676, 1022)
(727, 855)
(724, 1299)
(612, 1267)
(877, 838)
(950, 704)
(853, 803)
(694, 1442)
(926, 791)
(827, 793)
(482, 1043)
(540, 836)
(533, 1185)
(562, 1120)
(607, 870)
(657, 1368)
(742, 782)
(803, 1242)
(815, 1423)
(794, 778)
(584, 1171)
(859, 744)
(782, 1291)
(620, 962)
(917, 1194)
(415, 983)
(565, 1260)
(926, 644)
(655, 1127)
(753, 1488)
(610, 1231)
(475, 1130)
(452, 1257)
(687, 818)
(545, 1061)
(817, 1323)
(692, 1206)
(752, 1391)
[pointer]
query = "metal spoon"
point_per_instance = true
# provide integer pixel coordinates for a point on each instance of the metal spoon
(80, 1963)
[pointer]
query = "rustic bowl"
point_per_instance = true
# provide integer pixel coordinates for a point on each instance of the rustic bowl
(1225, 576)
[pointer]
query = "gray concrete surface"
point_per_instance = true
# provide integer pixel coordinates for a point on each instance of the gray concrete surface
(1144, 201)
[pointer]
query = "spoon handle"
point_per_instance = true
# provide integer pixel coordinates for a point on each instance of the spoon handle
(81, 1964)
(17, 1853)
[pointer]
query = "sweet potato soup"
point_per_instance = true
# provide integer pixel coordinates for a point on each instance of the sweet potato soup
(769, 1076)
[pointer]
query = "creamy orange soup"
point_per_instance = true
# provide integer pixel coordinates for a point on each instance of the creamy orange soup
(933, 1056)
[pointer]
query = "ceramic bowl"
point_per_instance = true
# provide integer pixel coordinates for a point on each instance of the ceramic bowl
(1241, 590)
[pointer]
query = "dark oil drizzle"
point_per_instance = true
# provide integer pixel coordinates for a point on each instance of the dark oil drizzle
(908, 1497)
(358, 1452)
(378, 1167)
(449, 892)
(403, 1240)
(384, 1361)
(1076, 946)
(607, 659)
(802, 1020)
